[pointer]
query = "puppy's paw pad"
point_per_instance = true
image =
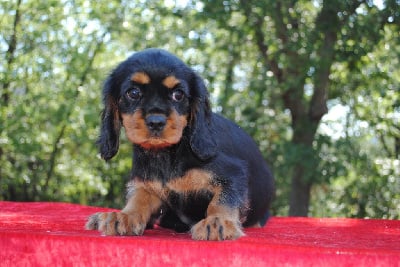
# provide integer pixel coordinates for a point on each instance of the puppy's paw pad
(116, 223)
(216, 228)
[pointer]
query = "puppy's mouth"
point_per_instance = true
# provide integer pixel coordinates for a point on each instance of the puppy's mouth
(155, 131)
(155, 143)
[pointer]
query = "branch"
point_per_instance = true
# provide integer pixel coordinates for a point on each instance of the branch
(328, 25)
(82, 80)
(10, 54)
(318, 105)
(272, 63)
(281, 29)
(292, 96)
(257, 23)
(53, 156)
(385, 146)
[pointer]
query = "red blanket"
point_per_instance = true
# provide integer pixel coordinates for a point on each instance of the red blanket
(52, 234)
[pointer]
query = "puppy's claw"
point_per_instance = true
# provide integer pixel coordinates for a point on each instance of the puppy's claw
(138, 229)
(216, 228)
(93, 222)
(116, 223)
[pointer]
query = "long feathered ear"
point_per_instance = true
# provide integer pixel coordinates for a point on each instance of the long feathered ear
(110, 121)
(202, 141)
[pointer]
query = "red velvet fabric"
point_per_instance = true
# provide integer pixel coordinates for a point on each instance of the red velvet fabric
(52, 234)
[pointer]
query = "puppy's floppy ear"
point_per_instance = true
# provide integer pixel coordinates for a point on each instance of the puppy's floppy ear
(202, 140)
(110, 120)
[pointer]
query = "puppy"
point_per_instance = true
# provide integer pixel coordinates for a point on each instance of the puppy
(193, 170)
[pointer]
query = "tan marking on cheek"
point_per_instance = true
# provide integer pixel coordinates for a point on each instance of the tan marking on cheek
(137, 132)
(140, 77)
(170, 82)
(174, 128)
(135, 127)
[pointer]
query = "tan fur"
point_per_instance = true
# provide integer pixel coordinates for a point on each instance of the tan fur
(140, 77)
(138, 133)
(193, 181)
(170, 82)
(146, 197)
(221, 223)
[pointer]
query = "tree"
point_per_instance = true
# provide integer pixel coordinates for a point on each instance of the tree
(47, 126)
(274, 67)
(300, 42)
(368, 184)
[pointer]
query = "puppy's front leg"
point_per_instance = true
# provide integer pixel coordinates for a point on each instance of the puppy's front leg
(222, 223)
(132, 220)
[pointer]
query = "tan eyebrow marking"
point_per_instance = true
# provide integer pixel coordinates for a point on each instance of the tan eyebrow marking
(140, 77)
(170, 82)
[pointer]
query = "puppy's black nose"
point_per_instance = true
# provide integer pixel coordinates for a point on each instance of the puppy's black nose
(156, 122)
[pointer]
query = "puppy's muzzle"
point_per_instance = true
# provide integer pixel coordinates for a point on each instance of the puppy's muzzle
(156, 123)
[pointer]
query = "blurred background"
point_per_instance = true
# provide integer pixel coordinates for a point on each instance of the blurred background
(316, 83)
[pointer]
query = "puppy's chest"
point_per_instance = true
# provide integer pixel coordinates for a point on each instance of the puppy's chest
(192, 182)
(164, 166)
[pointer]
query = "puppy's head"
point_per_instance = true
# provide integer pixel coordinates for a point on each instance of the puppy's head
(155, 97)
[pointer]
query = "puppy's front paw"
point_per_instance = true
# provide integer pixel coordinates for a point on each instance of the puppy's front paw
(116, 223)
(216, 228)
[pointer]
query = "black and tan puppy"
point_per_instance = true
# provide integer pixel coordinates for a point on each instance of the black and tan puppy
(192, 169)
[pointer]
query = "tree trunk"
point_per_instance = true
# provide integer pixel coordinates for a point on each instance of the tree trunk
(306, 115)
(291, 75)
(299, 193)
(304, 130)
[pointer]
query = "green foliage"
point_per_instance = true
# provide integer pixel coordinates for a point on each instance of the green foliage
(50, 104)
(366, 186)
(55, 56)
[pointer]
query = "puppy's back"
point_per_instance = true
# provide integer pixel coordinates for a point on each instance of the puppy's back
(233, 141)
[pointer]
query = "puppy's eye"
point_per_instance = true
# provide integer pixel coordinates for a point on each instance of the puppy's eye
(134, 94)
(177, 95)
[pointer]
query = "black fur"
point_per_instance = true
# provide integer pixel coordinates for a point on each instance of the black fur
(209, 142)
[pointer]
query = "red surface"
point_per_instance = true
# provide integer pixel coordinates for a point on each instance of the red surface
(52, 234)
